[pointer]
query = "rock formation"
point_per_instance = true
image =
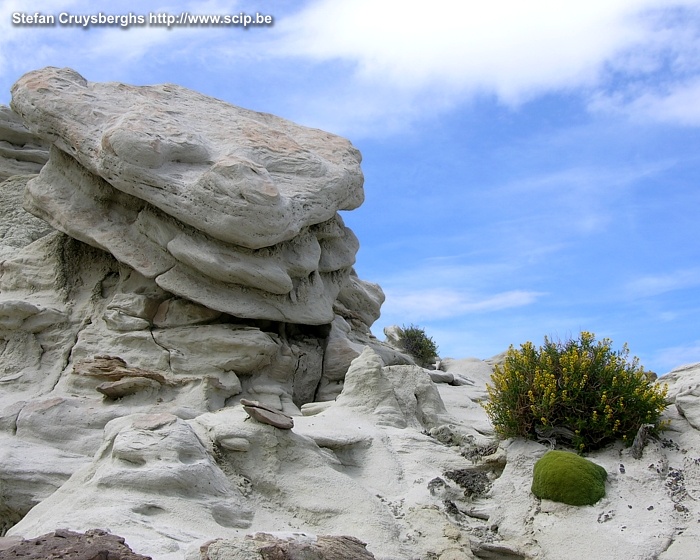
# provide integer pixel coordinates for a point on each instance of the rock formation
(296, 546)
(186, 359)
(180, 255)
(93, 545)
(232, 209)
(211, 233)
(21, 152)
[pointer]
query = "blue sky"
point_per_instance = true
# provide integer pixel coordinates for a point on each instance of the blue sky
(531, 168)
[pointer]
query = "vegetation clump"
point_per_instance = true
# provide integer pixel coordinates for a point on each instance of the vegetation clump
(565, 477)
(418, 344)
(581, 388)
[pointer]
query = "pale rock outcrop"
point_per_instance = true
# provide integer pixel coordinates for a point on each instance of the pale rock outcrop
(684, 389)
(153, 481)
(31, 472)
(21, 152)
(395, 395)
(166, 306)
(343, 345)
(228, 246)
(295, 546)
(350, 464)
(393, 335)
(18, 228)
(362, 468)
(232, 209)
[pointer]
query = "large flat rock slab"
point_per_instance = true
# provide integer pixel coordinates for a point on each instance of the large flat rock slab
(230, 208)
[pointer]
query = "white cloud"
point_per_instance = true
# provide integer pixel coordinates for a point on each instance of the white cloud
(421, 304)
(653, 285)
(378, 65)
(677, 104)
(676, 356)
(510, 46)
(12, 36)
(404, 58)
(108, 52)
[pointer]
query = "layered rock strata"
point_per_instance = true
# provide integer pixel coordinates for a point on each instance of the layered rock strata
(222, 263)
(21, 152)
(229, 208)
(181, 257)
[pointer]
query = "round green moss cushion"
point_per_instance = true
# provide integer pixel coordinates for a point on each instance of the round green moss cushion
(565, 477)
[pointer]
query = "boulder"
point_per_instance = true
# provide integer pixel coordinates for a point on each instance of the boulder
(226, 207)
(684, 390)
(267, 415)
(152, 480)
(293, 546)
(344, 344)
(94, 544)
(30, 473)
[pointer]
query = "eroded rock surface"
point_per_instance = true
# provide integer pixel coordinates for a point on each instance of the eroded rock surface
(21, 152)
(94, 544)
(230, 208)
(200, 265)
(296, 546)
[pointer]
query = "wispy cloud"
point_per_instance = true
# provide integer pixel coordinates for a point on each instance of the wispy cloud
(675, 104)
(675, 356)
(417, 305)
(439, 288)
(107, 52)
(653, 285)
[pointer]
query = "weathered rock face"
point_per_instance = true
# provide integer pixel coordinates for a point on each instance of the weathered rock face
(217, 264)
(294, 547)
(92, 545)
(155, 351)
(21, 152)
(232, 209)
(684, 387)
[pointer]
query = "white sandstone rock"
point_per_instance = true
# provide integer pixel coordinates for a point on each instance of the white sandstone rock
(18, 228)
(31, 472)
(684, 389)
(21, 153)
(233, 209)
(153, 480)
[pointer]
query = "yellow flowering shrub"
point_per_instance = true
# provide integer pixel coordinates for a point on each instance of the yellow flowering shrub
(581, 388)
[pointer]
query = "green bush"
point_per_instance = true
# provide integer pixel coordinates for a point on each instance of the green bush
(580, 388)
(565, 477)
(419, 345)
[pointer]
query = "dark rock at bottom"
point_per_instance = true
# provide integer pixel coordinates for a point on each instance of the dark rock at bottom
(94, 544)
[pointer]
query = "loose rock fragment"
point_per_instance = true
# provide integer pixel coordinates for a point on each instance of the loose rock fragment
(267, 415)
